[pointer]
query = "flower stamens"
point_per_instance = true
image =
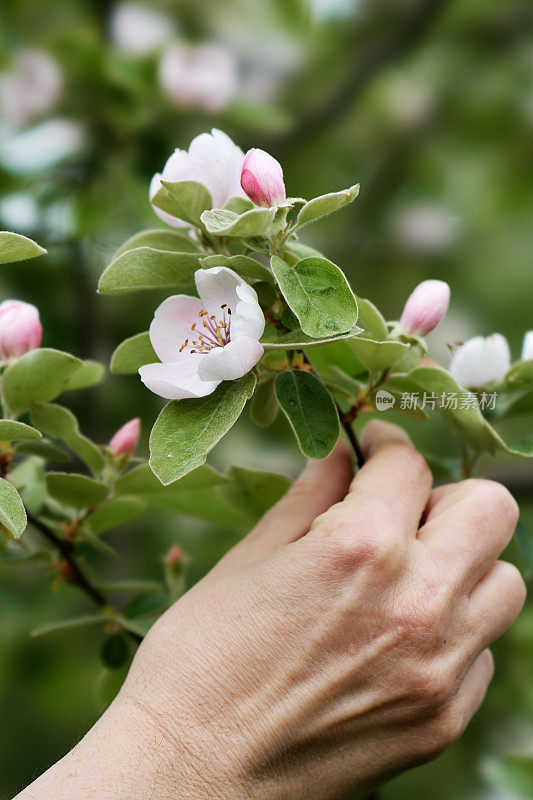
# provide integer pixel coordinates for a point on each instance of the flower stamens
(216, 333)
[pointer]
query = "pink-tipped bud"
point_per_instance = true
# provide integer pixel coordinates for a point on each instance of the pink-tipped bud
(20, 328)
(174, 557)
(425, 308)
(262, 179)
(126, 439)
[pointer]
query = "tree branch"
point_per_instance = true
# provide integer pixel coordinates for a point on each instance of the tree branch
(79, 577)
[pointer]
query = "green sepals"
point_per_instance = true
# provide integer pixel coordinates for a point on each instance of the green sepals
(44, 449)
(372, 320)
(310, 410)
(187, 430)
(377, 356)
(12, 512)
(264, 406)
(14, 247)
(159, 239)
(191, 197)
(256, 222)
(60, 423)
(76, 491)
(247, 268)
(520, 375)
(90, 373)
(115, 512)
(326, 204)
(147, 268)
(38, 376)
(298, 339)
(11, 431)
(319, 294)
(132, 354)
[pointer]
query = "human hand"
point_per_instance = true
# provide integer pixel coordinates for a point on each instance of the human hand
(342, 641)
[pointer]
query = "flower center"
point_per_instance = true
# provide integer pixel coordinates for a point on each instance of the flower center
(209, 331)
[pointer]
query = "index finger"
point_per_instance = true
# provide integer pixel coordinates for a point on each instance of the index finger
(395, 475)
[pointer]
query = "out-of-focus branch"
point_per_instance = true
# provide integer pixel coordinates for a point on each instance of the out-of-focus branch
(369, 62)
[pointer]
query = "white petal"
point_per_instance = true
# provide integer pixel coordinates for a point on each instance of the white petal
(527, 349)
(232, 361)
(248, 319)
(480, 361)
(217, 286)
(177, 380)
(171, 325)
(167, 218)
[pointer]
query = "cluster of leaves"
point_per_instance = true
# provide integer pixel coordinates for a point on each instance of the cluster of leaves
(328, 352)
(71, 492)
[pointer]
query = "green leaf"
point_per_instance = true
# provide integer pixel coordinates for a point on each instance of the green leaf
(338, 354)
(255, 222)
(90, 373)
(520, 374)
(115, 651)
(191, 197)
(12, 512)
(239, 205)
(69, 624)
(28, 479)
(38, 376)
(132, 354)
(319, 294)
(14, 247)
(60, 423)
(264, 406)
(42, 449)
(248, 268)
(519, 404)
(172, 241)
(11, 431)
(310, 410)
(326, 204)
(371, 319)
(115, 512)
(254, 491)
(186, 430)
(141, 481)
(377, 355)
(148, 268)
(298, 339)
(77, 491)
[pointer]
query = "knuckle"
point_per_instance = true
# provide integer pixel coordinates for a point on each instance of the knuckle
(444, 730)
(430, 689)
(494, 497)
(352, 542)
(423, 621)
(515, 587)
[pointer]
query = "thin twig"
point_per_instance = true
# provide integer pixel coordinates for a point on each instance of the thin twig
(346, 423)
(79, 577)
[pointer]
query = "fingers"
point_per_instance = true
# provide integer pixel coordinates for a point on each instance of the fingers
(395, 476)
(473, 689)
(321, 485)
(468, 527)
(496, 601)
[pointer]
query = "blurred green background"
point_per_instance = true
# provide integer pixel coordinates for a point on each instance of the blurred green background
(429, 104)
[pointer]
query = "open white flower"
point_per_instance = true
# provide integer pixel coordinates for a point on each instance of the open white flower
(480, 361)
(205, 76)
(204, 340)
(213, 160)
(527, 347)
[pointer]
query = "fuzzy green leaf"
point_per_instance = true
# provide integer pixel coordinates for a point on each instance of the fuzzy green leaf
(60, 423)
(310, 410)
(69, 624)
(141, 482)
(11, 431)
(77, 491)
(159, 239)
(90, 373)
(377, 355)
(255, 222)
(326, 204)
(38, 376)
(132, 354)
(372, 320)
(12, 512)
(248, 268)
(191, 197)
(114, 512)
(14, 247)
(264, 406)
(186, 430)
(319, 294)
(42, 449)
(298, 339)
(148, 268)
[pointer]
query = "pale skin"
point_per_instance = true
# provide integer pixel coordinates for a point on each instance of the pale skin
(344, 640)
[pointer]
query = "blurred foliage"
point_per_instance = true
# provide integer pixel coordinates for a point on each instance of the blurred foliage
(430, 106)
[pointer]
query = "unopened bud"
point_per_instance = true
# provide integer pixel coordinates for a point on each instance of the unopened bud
(425, 308)
(20, 328)
(480, 361)
(126, 439)
(262, 179)
(174, 557)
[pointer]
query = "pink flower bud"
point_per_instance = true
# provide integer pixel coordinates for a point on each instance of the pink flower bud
(425, 308)
(262, 179)
(174, 557)
(126, 439)
(20, 328)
